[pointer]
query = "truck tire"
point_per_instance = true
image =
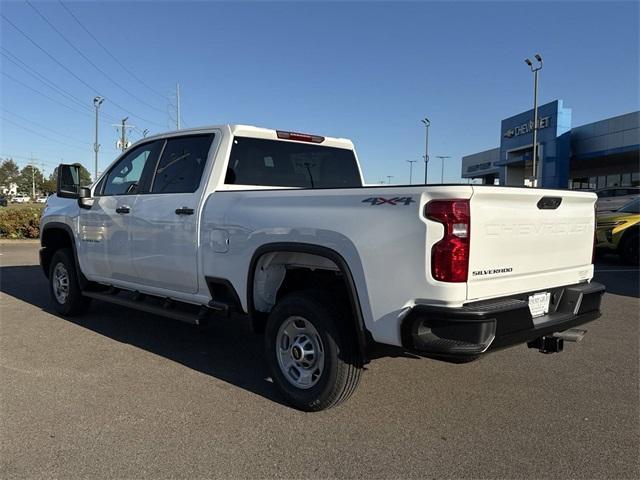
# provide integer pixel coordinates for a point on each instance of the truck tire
(311, 352)
(65, 292)
(629, 247)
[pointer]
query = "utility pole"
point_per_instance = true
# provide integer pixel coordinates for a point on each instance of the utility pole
(426, 122)
(411, 162)
(32, 163)
(123, 143)
(97, 101)
(389, 177)
(535, 70)
(177, 106)
(442, 158)
(123, 134)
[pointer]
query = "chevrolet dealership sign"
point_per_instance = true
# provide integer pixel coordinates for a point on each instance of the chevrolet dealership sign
(543, 122)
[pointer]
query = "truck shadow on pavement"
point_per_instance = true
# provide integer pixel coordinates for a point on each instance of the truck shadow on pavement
(227, 349)
(618, 277)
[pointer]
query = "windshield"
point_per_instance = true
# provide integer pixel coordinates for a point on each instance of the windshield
(256, 161)
(632, 207)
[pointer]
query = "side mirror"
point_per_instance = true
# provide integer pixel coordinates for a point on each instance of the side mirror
(68, 181)
(84, 198)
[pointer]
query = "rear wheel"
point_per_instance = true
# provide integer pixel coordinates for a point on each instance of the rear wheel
(63, 284)
(629, 248)
(311, 352)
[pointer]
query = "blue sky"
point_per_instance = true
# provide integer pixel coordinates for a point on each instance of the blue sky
(362, 70)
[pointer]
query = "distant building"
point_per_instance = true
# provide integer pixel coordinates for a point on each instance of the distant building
(596, 155)
(12, 189)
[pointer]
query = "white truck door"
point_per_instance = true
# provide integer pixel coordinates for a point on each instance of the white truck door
(164, 228)
(104, 229)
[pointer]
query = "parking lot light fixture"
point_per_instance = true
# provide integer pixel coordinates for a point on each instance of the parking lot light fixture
(427, 123)
(411, 162)
(442, 159)
(535, 69)
(97, 101)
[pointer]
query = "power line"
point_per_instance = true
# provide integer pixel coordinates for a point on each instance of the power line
(21, 65)
(38, 76)
(40, 134)
(46, 165)
(48, 162)
(47, 53)
(90, 87)
(79, 52)
(44, 94)
(106, 50)
(39, 125)
(22, 157)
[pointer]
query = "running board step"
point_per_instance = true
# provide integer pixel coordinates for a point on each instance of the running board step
(193, 314)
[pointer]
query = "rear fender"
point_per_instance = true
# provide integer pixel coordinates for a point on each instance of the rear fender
(334, 258)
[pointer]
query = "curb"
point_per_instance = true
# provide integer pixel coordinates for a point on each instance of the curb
(28, 241)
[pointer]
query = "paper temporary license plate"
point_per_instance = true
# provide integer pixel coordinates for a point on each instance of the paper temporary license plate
(539, 304)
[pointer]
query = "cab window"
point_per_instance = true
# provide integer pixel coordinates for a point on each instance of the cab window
(278, 163)
(131, 174)
(182, 163)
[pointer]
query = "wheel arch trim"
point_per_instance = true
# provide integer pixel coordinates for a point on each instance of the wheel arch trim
(82, 280)
(321, 251)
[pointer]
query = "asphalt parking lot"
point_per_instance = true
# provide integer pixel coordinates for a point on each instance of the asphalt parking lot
(122, 394)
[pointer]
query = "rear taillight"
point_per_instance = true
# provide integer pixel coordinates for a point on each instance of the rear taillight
(450, 256)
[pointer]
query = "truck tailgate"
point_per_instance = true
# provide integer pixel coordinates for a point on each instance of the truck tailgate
(522, 241)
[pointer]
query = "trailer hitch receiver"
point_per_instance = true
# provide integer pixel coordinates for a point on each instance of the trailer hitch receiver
(547, 344)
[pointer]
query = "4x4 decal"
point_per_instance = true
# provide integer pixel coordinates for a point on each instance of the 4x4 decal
(390, 201)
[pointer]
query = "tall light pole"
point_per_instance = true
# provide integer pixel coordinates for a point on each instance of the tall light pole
(389, 177)
(535, 70)
(442, 158)
(426, 122)
(411, 162)
(97, 101)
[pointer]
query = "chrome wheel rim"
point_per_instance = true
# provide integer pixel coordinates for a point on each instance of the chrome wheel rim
(300, 352)
(60, 283)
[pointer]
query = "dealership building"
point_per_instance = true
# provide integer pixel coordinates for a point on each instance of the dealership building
(600, 154)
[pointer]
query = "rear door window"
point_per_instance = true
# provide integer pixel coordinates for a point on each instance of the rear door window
(182, 163)
(257, 161)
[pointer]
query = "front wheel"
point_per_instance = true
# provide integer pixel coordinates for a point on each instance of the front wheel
(63, 284)
(311, 352)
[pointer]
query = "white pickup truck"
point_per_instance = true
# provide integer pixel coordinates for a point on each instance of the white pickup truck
(237, 220)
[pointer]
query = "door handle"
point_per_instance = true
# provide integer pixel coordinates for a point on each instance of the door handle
(123, 209)
(184, 211)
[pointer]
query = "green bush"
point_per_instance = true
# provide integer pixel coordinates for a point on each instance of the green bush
(20, 221)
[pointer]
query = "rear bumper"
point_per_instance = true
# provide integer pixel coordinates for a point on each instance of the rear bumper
(479, 327)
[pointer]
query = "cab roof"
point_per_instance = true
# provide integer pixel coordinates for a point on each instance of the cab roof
(258, 132)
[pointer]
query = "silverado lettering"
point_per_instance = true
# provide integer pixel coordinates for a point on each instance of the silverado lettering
(494, 271)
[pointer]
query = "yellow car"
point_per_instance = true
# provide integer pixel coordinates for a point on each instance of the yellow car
(619, 231)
